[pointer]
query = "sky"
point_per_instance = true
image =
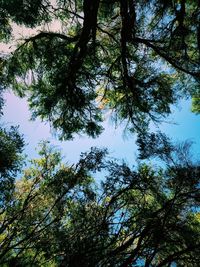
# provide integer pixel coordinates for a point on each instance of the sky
(16, 112)
(181, 125)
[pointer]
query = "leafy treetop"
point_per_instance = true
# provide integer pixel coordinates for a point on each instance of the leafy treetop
(135, 58)
(145, 215)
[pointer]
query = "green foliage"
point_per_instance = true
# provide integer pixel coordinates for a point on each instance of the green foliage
(60, 217)
(154, 144)
(10, 163)
(28, 13)
(196, 102)
(121, 56)
(131, 59)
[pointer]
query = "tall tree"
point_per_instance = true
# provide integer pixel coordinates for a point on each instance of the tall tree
(135, 58)
(145, 216)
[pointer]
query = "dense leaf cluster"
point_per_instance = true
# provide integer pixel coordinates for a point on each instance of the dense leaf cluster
(10, 163)
(133, 58)
(145, 216)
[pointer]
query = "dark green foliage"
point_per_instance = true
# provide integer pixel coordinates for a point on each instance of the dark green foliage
(72, 109)
(1, 102)
(196, 100)
(5, 28)
(11, 147)
(26, 12)
(134, 58)
(60, 217)
(154, 144)
(10, 163)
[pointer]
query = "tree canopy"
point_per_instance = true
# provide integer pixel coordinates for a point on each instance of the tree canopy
(131, 58)
(59, 216)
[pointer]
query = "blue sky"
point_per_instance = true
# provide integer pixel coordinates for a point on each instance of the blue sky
(182, 125)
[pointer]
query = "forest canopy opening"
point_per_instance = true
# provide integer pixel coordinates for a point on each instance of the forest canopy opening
(133, 60)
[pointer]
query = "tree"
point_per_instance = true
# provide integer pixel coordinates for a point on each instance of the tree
(196, 103)
(143, 216)
(43, 206)
(11, 160)
(135, 58)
